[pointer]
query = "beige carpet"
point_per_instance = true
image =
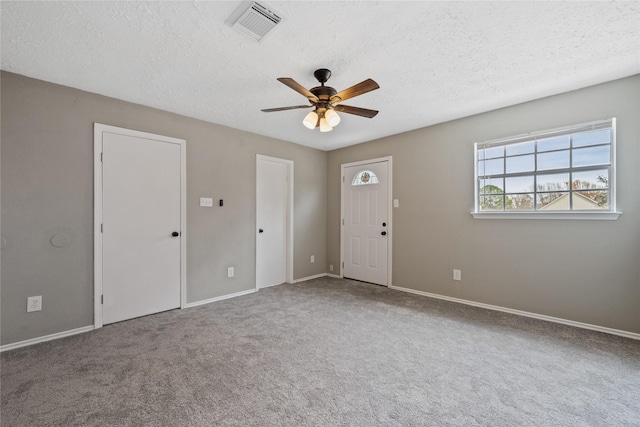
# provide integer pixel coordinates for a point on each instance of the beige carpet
(326, 352)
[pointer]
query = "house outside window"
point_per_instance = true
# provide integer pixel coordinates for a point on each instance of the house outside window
(559, 173)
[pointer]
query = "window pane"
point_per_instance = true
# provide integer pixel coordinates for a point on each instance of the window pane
(585, 200)
(491, 203)
(555, 143)
(491, 167)
(590, 179)
(520, 164)
(520, 148)
(491, 186)
(600, 155)
(493, 152)
(520, 202)
(552, 182)
(364, 178)
(553, 160)
(602, 136)
(568, 171)
(552, 201)
(520, 184)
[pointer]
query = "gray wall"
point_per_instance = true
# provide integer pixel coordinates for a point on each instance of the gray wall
(47, 187)
(586, 271)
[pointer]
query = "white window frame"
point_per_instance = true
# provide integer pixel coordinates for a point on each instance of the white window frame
(610, 214)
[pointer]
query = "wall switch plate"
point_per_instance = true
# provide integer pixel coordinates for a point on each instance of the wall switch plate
(313, 258)
(396, 203)
(34, 303)
(231, 272)
(207, 202)
(457, 274)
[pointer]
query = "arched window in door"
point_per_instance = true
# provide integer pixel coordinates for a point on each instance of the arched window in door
(365, 177)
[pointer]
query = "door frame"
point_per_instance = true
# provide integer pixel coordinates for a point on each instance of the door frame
(289, 209)
(98, 130)
(389, 161)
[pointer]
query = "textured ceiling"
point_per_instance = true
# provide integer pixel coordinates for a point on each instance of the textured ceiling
(434, 61)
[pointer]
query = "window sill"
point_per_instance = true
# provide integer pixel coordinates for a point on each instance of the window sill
(603, 216)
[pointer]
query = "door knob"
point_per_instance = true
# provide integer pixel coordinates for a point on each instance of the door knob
(261, 231)
(384, 233)
(175, 234)
(384, 224)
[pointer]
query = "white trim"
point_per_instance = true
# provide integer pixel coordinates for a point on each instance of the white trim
(582, 127)
(334, 276)
(304, 279)
(97, 222)
(98, 130)
(389, 161)
(608, 216)
(45, 338)
(223, 297)
(589, 326)
(290, 189)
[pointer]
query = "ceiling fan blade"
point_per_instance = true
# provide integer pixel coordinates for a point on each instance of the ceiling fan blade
(364, 112)
(359, 89)
(298, 88)
(270, 110)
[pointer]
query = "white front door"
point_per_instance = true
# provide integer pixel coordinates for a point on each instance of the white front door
(366, 222)
(272, 220)
(141, 231)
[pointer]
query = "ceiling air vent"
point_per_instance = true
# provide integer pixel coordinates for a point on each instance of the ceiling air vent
(254, 19)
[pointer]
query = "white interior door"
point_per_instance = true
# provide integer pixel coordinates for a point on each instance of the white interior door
(366, 222)
(141, 233)
(272, 213)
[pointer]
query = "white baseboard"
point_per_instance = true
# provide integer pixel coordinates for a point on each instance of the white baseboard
(304, 279)
(45, 338)
(606, 330)
(335, 276)
(223, 297)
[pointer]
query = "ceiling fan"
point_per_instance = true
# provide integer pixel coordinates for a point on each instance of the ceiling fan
(326, 101)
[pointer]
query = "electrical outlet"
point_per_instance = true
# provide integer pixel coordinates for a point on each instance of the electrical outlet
(231, 272)
(206, 202)
(457, 274)
(313, 259)
(34, 303)
(330, 267)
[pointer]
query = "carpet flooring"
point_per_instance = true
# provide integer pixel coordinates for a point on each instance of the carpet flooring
(326, 352)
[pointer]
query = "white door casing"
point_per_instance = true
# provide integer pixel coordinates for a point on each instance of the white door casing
(140, 200)
(366, 222)
(274, 221)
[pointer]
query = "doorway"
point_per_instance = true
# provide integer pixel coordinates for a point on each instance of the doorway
(366, 228)
(274, 221)
(140, 224)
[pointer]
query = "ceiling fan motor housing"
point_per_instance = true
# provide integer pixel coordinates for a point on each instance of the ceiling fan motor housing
(324, 93)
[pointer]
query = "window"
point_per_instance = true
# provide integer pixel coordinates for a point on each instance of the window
(560, 171)
(364, 178)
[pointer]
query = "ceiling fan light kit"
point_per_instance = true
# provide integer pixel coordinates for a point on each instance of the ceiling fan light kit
(332, 117)
(311, 120)
(324, 125)
(325, 100)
